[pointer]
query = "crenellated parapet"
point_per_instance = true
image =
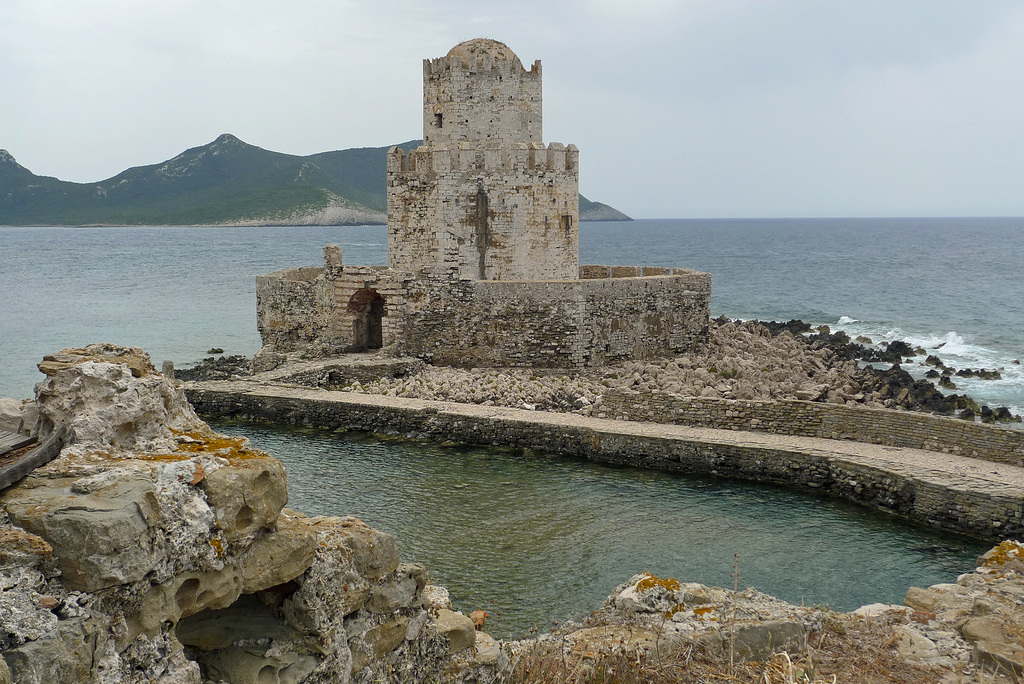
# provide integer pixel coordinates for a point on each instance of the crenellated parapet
(507, 68)
(470, 157)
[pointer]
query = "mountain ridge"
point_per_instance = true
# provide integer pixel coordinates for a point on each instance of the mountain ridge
(225, 182)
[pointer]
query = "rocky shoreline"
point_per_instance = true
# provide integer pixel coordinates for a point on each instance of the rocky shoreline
(155, 550)
(752, 360)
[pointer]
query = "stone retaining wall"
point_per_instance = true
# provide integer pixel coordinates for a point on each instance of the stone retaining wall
(992, 514)
(831, 421)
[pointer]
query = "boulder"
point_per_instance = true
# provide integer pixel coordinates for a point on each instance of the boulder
(458, 628)
(913, 645)
(999, 656)
(18, 415)
(400, 589)
(99, 527)
(108, 398)
(66, 656)
(758, 641)
(930, 600)
(983, 629)
(247, 496)
(277, 557)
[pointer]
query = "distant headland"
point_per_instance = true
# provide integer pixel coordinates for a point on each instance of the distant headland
(226, 182)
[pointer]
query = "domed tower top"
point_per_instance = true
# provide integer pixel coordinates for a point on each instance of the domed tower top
(479, 92)
(470, 50)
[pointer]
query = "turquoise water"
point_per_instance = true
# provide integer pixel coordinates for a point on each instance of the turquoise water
(536, 539)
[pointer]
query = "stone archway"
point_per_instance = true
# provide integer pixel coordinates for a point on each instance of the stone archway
(367, 309)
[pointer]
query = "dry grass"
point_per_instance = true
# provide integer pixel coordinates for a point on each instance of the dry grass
(847, 650)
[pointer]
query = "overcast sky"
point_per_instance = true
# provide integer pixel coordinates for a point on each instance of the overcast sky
(680, 108)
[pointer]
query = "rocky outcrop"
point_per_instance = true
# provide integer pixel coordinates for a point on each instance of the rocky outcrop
(155, 550)
(968, 631)
(750, 360)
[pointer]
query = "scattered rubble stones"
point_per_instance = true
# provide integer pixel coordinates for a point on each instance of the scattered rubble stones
(750, 360)
(216, 368)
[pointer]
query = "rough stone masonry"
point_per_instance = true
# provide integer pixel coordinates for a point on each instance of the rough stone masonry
(483, 248)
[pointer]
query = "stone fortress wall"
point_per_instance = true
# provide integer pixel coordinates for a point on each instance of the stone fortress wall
(448, 320)
(509, 213)
(920, 495)
(483, 248)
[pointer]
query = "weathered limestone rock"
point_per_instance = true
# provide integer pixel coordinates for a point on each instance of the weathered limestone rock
(277, 557)
(246, 496)
(99, 526)
(457, 627)
(397, 589)
(930, 600)
(18, 415)
(65, 656)
(153, 549)
(913, 645)
(1000, 656)
(109, 398)
(183, 595)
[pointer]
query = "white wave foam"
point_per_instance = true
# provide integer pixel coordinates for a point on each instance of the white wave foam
(846, 320)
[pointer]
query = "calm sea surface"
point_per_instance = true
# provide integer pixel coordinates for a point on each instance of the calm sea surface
(534, 539)
(547, 538)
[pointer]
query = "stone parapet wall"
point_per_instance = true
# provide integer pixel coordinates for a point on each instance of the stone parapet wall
(446, 319)
(293, 308)
(831, 421)
(594, 271)
(916, 495)
(557, 323)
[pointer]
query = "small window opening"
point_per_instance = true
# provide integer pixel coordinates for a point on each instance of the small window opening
(438, 118)
(567, 222)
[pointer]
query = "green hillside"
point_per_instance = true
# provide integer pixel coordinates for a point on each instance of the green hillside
(226, 181)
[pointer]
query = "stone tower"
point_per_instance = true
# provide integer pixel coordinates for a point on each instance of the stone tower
(483, 195)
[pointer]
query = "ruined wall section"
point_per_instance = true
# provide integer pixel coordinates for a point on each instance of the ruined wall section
(293, 308)
(481, 94)
(491, 212)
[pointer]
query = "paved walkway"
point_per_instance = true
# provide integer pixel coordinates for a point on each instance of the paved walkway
(958, 473)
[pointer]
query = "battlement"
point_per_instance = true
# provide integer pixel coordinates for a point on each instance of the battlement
(433, 68)
(466, 156)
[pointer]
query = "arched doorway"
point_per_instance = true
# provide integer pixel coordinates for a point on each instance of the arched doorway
(367, 307)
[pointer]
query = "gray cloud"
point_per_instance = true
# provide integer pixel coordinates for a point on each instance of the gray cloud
(680, 108)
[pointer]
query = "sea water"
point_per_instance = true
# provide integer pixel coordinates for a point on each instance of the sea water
(953, 286)
(533, 537)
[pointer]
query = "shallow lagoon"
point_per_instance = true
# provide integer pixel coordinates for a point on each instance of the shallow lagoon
(536, 539)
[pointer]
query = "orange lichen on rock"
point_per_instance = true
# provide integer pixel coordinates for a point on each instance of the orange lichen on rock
(15, 541)
(1007, 552)
(651, 582)
(194, 442)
